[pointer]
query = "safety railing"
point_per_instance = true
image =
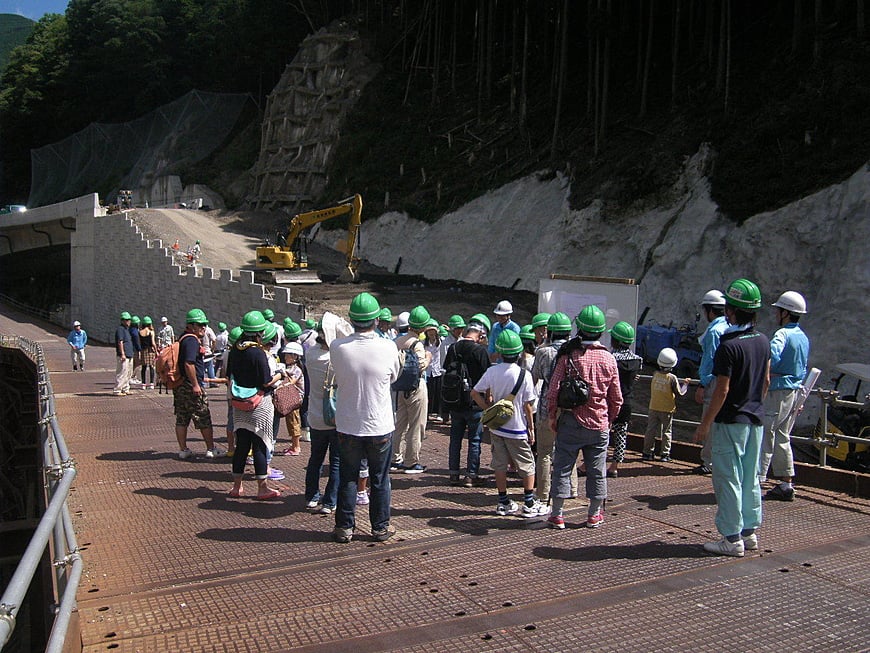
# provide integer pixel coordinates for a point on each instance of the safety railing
(55, 527)
(822, 438)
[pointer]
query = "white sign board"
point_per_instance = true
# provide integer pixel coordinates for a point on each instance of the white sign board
(616, 297)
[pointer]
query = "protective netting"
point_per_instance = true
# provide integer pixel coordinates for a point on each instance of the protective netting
(105, 158)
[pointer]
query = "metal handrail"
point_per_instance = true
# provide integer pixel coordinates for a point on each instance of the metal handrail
(55, 524)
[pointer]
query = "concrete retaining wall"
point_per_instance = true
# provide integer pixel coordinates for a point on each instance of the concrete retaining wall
(114, 269)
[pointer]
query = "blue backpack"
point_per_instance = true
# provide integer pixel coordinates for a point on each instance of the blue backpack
(409, 377)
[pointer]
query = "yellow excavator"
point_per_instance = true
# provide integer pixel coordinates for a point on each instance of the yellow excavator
(286, 262)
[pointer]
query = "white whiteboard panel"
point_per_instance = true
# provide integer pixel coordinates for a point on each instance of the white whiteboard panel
(617, 298)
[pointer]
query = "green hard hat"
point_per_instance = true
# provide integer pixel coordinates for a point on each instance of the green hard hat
(386, 315)
(623, 332)
(456, 322)
(743, 294)
(364, 308)
(540, 320)
(508, 343)
(310, 323)
(221, 325)
(270, 331)
(591, 320)
(527, 332)
(269, 314)
(431, 322)
(253, 322)
(559, 323)
(480, 318)
(442, 331)
(147, 321)
(419, 318)
(234, 336)
(135, 319)
(196, 316)
(125, 315)
(291, 329)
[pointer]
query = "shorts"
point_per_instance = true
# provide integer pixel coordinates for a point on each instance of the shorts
(518, 451)
(188, 407)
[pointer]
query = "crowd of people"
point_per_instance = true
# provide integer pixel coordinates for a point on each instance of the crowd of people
(363, 397)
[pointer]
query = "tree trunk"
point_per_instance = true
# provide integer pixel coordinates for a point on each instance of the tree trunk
(563, 62)
(675, 54)
(648, 58)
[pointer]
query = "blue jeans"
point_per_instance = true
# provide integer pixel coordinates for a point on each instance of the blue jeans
(462, 422)
(379, 451)
(321, 441)
(571, 440)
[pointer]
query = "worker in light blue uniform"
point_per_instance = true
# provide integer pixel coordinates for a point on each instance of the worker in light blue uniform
(713, 304)
(789, 352)
(503, 322)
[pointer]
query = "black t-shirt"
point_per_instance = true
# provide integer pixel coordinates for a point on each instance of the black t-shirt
(249, 367)
(473, 354)
(742, 356)
(190, 351)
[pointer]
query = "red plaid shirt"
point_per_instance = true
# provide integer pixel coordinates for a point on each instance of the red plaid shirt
(598, 367)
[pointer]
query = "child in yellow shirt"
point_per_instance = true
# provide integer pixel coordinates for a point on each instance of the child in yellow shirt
(664, 389)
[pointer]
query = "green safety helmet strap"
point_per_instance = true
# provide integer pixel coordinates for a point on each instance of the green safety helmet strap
(591, 320)
(196, 316)
(508, 343)
(743, 294)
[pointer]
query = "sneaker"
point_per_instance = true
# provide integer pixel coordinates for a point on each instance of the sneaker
(75, 369)
(508, 508)
(780, 493)
(750, 542)
(537, 509)
(342, 535)
(556, 521)
(612, 473)
(703, 469)
(312, 505)
(362, 498)
(455, 481)
(467, 482)
(214, 453)
(275, 474)
(647, 457)
(665, 459)
(185, 454)
(384, 534)
(415, 469)
(725, 548)
(594, 521)
(326, 510)
(150, 385)
(397, 467)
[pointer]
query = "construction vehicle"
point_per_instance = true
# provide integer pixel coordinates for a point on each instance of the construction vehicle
(845, 422)
(287, 260)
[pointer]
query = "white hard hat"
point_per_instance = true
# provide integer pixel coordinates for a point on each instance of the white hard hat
(77, 323)
(164, 319)
(402, 319)
(503, 308)
(667, 358)
(292, 348)
(714, 298)
(791, 301)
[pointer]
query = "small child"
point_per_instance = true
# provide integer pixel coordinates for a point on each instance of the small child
(628, 363)
(662, 405)
(292, 353)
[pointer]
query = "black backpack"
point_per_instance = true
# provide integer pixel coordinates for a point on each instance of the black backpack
(456, 385)
(409, 377)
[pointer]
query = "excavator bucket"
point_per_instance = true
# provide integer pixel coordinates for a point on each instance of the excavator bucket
(348, 275)
(286, 277)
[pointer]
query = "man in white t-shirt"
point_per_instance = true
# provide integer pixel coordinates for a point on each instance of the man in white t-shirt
(512, 440)
(365, 365)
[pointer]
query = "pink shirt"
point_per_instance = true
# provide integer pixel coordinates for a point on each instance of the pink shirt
(598, 367)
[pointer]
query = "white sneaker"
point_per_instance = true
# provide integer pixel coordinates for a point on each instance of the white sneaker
(537, 509)
(508, 508)
(362, 498)
(185, 454)
(750, 542)
(312, 505)
(725, 548)
(213, 453)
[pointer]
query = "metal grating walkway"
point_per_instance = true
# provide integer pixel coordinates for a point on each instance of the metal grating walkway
(173, 564)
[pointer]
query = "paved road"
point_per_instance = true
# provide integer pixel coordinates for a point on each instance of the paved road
(174, 564)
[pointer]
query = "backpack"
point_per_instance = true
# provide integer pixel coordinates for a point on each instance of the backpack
(409, 377)
(166, 365)
(456, 385)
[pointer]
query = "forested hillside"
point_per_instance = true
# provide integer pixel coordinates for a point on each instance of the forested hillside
(476, 92)
(14, 30)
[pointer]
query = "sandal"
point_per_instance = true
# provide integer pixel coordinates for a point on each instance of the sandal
(271, 494)
(290, 451)
(236, 493)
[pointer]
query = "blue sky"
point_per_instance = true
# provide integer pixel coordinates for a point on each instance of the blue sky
(33, 9)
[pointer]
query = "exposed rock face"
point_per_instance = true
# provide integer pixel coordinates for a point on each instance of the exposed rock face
(526, 230)
(304, 115)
